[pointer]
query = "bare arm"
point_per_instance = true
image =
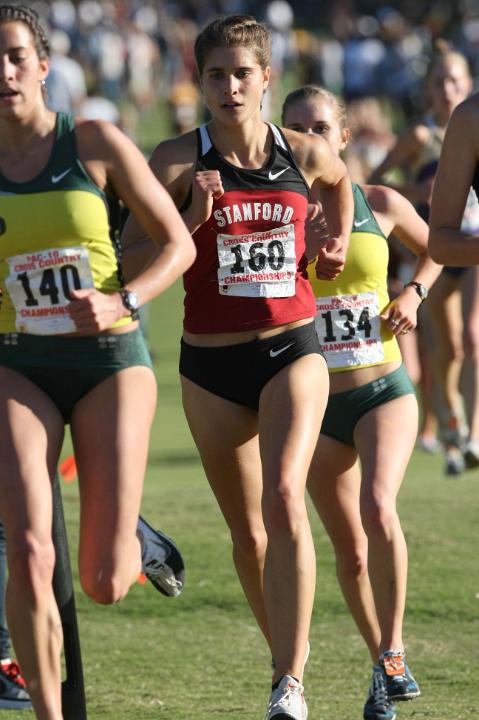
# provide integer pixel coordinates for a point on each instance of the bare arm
(115, 162)
(400, 157)
(459, 158)
(173, 163)
(396, 215)
(330, 184)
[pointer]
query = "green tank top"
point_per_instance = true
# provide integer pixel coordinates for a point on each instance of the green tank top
(348, 309)
(54, 237)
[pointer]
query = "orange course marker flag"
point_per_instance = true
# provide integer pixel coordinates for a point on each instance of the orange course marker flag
(68, 469)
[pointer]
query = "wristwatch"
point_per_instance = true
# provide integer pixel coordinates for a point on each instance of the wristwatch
(421, 290)
(130, 301)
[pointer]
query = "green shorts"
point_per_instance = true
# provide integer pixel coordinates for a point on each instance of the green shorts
(67, 368)
(346, 408)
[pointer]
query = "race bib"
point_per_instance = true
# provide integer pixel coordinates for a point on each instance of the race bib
(261, 264)
(39, 285)
(349, 329)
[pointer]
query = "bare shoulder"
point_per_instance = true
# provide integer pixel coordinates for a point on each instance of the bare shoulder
(308, 149)
(97, 139)
(173, 161)
(178, 151)
(385, 200)
(465, 118)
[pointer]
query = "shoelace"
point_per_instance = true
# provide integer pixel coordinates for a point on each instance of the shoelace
(13, 672)
(395, 662)
(288, 692)
(378, 690)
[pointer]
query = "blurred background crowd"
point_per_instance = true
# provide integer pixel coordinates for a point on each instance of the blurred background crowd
(136, 54)
(132, 62)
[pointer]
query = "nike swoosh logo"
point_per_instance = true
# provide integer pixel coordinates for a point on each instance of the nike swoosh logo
(57, 178)
(275, 353)
(273, 176)
(358, 223)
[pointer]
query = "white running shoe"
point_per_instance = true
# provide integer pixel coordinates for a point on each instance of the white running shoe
(470, 452)
(287, 701)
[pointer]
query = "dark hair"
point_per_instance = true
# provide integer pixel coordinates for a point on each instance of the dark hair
(233, 31)
(27, 16)
(315, 91)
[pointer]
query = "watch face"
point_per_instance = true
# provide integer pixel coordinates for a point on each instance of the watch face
(133, 300)
(130, 300)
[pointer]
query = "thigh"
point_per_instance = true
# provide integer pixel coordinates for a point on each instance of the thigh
(291, 409)
(110, 429)
(226, 435)
(383, 451)
(334, 482)
(31, 436)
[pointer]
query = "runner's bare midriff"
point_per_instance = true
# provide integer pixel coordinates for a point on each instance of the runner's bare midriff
(236, 338)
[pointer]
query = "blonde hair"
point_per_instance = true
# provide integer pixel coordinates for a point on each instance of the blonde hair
(443, 51)
(234, 31)
(315, 91)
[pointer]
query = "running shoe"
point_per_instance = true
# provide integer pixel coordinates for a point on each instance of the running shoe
(13, 693)
(378, 706)
(400, 683)
(470, 452)
(287, 701)
(161, 560)
(429, 444)
(454, 462)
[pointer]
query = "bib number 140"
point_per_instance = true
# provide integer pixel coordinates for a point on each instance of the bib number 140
(66, 277)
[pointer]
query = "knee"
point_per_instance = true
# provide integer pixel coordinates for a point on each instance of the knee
(454, 351)
(352, 561)
(31, 562)
(284, 509)
(471, 342)
(250, 543)
(379, 517)
(102, 586)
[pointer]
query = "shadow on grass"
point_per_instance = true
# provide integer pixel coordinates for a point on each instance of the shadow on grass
(174, 459)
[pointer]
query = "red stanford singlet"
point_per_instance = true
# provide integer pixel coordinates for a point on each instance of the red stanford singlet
(250, 270)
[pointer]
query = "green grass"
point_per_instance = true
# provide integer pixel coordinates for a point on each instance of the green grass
(200, 656)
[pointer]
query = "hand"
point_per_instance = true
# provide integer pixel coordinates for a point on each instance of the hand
(400, 316)
(205, 188)
(93, 311)
(316, 231)
(331, 259)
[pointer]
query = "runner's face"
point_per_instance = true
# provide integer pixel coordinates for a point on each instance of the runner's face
(451, 85)
(233, 83)
(317, 116)
(21, 70)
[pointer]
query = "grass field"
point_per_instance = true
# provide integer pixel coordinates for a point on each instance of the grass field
(201, 657)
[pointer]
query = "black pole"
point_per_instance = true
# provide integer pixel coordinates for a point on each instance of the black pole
(73, 689)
